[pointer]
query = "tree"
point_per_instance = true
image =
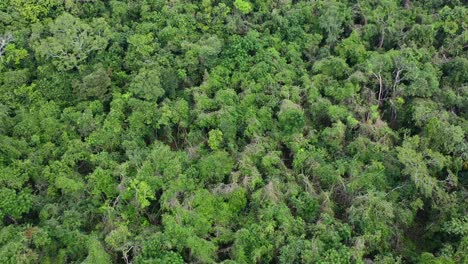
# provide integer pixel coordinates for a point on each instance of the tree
(415, 167)
(215, 139)
(72, 41)
(96, 253)
(33, 10)
(291, 117)
(214, 167)
(119, 240)
(244, 6)
(94, 85)
(333, 19)
(147, 85)
(13, 204)
(374, 218)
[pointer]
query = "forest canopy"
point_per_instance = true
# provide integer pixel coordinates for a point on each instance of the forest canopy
(221, 131)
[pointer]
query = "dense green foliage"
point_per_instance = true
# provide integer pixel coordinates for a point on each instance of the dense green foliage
(221, 131)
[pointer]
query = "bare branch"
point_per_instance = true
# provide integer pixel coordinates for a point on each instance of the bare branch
(382, 38)
(394, 189)
(397, 79)
(4, 40)
(381, 87)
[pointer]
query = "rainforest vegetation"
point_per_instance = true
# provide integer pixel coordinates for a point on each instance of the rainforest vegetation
(221, 131)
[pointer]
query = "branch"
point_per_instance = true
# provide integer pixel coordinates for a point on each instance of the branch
(382, 39)
(394, 189)
(4, 40)
(381, 87)
(125, 254)
(397, 79)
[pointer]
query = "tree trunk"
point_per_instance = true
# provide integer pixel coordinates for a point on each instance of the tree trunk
(407, 4)
(382, 38)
